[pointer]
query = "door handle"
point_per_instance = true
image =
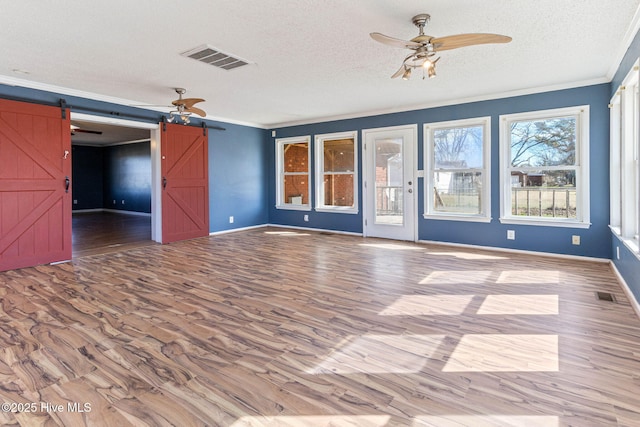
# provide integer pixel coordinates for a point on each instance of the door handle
(66, 184)
(164, 182)
(410, 190)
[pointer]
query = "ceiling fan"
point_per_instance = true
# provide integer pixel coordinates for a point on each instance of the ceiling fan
(185, 107)
(77, 129)
(424, 47)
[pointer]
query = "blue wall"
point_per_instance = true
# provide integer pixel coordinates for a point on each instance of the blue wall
(237, 157)
(596, 241)
(127, 177)
(629, 263)
(87, 177)
(237, 177)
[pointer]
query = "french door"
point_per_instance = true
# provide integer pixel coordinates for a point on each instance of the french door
(35, 185)
(389, 185)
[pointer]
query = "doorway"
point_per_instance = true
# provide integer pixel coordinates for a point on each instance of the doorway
(113, 191)
(389, 185)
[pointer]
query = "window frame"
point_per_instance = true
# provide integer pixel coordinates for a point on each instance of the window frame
(320, 140)
(280, 172)
(581, 167)
(625, 155)
(429, 167)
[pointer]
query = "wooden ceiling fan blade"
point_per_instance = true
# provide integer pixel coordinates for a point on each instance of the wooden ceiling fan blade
(187, 102)
(398, 73)
(392, 41)
(95, 132)
(195, 110)
(463, 40)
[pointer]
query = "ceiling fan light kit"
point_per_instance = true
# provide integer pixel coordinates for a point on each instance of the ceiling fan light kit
(425, 47)
(184, 108)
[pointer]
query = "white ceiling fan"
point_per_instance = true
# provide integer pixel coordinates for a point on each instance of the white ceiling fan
(425, 48)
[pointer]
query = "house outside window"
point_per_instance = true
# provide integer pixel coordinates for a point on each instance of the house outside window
(293, 183)
(457, 161)
(544, 167)
(336, 172)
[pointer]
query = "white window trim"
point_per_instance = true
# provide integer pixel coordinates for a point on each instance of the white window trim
(280, 143)
(582, 168)
(615, 170)
(319, 165)
(429, 167)
(625, 149)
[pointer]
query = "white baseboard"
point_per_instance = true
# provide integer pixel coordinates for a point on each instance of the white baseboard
(86, 210)
(233, 230)
(320, 230)
(516, 251)
(627, 290)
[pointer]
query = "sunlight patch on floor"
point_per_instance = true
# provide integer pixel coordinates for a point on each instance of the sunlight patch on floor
(285, 233)
(529, 276)
(442, 277)
(487, 421)
(520, 304)
(397, 354)
(468, 255)
(428, 305)
(314, 421)
(393, 246)
(504, 353)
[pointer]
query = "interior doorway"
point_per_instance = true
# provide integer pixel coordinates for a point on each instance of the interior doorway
(115, 202)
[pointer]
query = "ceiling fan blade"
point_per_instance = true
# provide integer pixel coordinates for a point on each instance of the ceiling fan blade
(391, 41)
(95, 132)
(195, 110)
(463, 40)
(398, 73)
(187, 102)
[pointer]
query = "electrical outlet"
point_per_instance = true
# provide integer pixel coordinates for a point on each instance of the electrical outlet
(123, 202)
(231, 220)
(511, 234)
(75, 201)
(306, 218)
(575, 239)
(114, 202)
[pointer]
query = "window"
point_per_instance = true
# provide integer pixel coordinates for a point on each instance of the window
(457, 161)
(293, 186)
(615, 138)
(625, 164)
(336, 179)
(544, 167)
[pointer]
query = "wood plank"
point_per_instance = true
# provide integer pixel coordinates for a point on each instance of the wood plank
(267, 328)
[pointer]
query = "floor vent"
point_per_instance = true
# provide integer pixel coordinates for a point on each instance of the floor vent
(605, 296)
(213, 56)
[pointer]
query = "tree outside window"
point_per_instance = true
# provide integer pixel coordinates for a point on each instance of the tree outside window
(544, 174)
(457, 160)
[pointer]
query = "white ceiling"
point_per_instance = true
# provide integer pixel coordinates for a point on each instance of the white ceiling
(311, 59)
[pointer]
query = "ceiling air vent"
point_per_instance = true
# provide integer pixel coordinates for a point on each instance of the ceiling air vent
(213, 56)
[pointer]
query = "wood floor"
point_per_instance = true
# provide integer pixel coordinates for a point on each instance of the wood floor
(103, 232)
(270, 327)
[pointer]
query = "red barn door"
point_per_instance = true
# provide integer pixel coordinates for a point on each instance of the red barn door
(185, 182)
(35, 186)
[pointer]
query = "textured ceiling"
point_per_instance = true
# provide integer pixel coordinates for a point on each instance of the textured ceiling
(310, 60)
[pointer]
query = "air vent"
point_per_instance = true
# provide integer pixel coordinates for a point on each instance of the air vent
(213, 56)
(605, 296)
